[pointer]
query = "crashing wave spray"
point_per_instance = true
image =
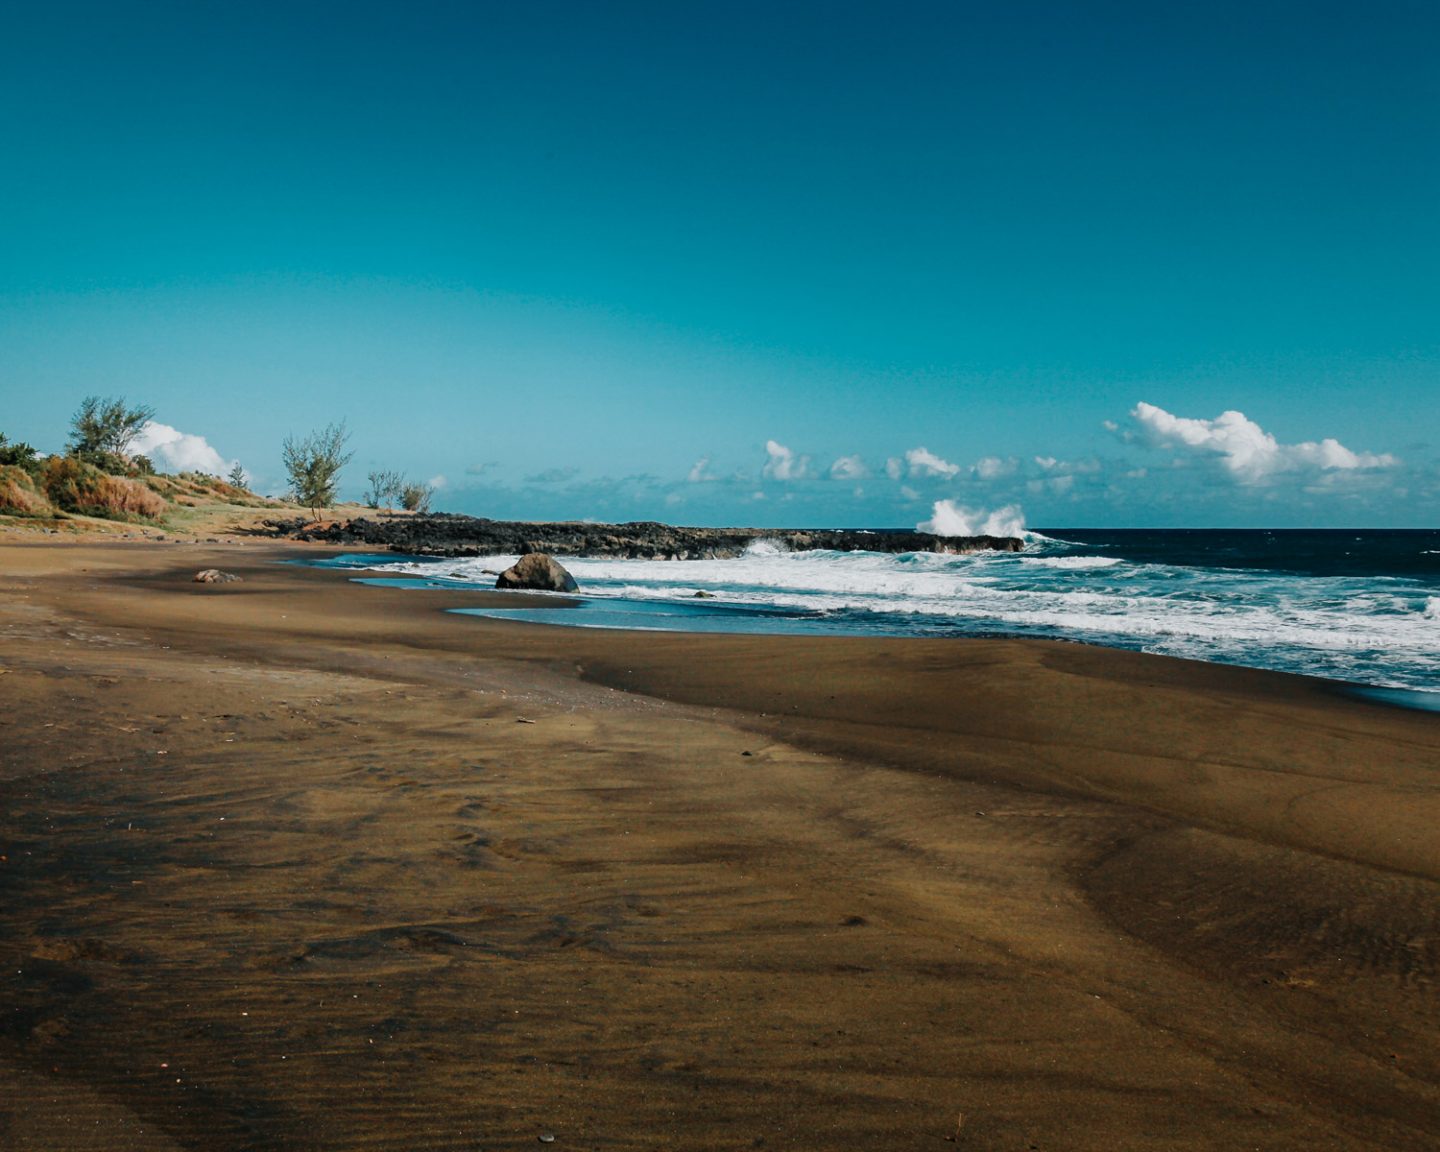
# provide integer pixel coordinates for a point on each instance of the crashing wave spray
(950, 519)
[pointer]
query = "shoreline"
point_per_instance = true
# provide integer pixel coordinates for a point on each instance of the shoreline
(1328, 628)
(356, 873)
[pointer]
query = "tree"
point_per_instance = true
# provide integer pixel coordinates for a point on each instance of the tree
(21, 455)
(236, 479)
(313, 465)
(416, 497)
(385, 488)
(107, 427)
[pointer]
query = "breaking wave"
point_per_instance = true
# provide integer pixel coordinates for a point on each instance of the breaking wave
(1238, 607)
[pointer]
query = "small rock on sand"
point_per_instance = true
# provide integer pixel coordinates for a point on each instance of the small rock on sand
(215, 576)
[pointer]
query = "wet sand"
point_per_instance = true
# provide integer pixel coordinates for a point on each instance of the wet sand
(298, 864)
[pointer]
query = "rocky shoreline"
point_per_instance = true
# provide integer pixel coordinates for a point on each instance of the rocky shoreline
(446, 534)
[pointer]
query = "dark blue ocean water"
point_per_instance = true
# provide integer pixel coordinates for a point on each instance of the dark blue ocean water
(1357, 605)
(1384, 553)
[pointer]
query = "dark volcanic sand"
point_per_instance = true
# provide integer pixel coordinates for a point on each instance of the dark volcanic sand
(283, 869)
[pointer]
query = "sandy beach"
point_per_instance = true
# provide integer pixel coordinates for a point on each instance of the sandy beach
(293, 863)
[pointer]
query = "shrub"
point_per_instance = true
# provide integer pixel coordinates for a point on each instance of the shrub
(79, 487)
(19, 454)
(18, 494)
(129, 498)
(109, 462)
(417, 497)
(386, 487)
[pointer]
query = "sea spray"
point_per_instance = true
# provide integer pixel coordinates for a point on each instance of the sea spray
(950, 519)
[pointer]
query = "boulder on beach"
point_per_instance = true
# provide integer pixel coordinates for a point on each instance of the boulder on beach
(538, 571)
(215, 576)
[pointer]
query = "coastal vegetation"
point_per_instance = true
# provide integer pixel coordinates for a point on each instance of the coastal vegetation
(385, 489)
(313, 465)
(103, 429)
(388, 488)
(416, 497)
(75, 485)
(19, 495)
(99, 477)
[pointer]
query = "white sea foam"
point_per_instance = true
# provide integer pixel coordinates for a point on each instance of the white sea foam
(1074, 562)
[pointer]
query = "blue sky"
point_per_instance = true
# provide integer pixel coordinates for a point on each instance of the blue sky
(835, 263)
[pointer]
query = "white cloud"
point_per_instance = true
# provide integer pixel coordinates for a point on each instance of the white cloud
(849, 468)
(1057, 485)
(700, 472)
(894, 468)
(1245, 450)
(784, 464)
(992, 467)
(950, 519)
(171, 450)
(923, 462)
(438, 482)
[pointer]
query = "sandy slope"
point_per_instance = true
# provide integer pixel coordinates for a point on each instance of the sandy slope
(293, 863)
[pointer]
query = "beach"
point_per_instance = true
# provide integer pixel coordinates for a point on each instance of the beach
(297, 863)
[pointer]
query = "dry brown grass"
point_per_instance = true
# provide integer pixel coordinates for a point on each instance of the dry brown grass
(78, 487)
(194, 488)
(18, 494)
(127, 498)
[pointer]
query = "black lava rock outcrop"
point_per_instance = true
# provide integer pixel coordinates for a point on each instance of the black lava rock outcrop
(444, 534)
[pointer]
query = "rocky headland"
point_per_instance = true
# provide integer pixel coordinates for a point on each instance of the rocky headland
(446, 534)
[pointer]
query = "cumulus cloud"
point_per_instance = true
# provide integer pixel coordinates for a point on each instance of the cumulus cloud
(171, 450)
(439, 481)
(1245, 450)
(992, 467)
(950, 519)
(849, 468)
(923, 462)
(783, 464)
(700, 472)
(894, 468)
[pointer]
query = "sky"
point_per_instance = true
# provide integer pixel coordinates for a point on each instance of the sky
(784, 264)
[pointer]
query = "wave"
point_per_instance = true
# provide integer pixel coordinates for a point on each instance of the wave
(1074, 562)
(1373, 630)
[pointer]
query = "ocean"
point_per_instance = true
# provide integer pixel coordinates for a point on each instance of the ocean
(1361, 605)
